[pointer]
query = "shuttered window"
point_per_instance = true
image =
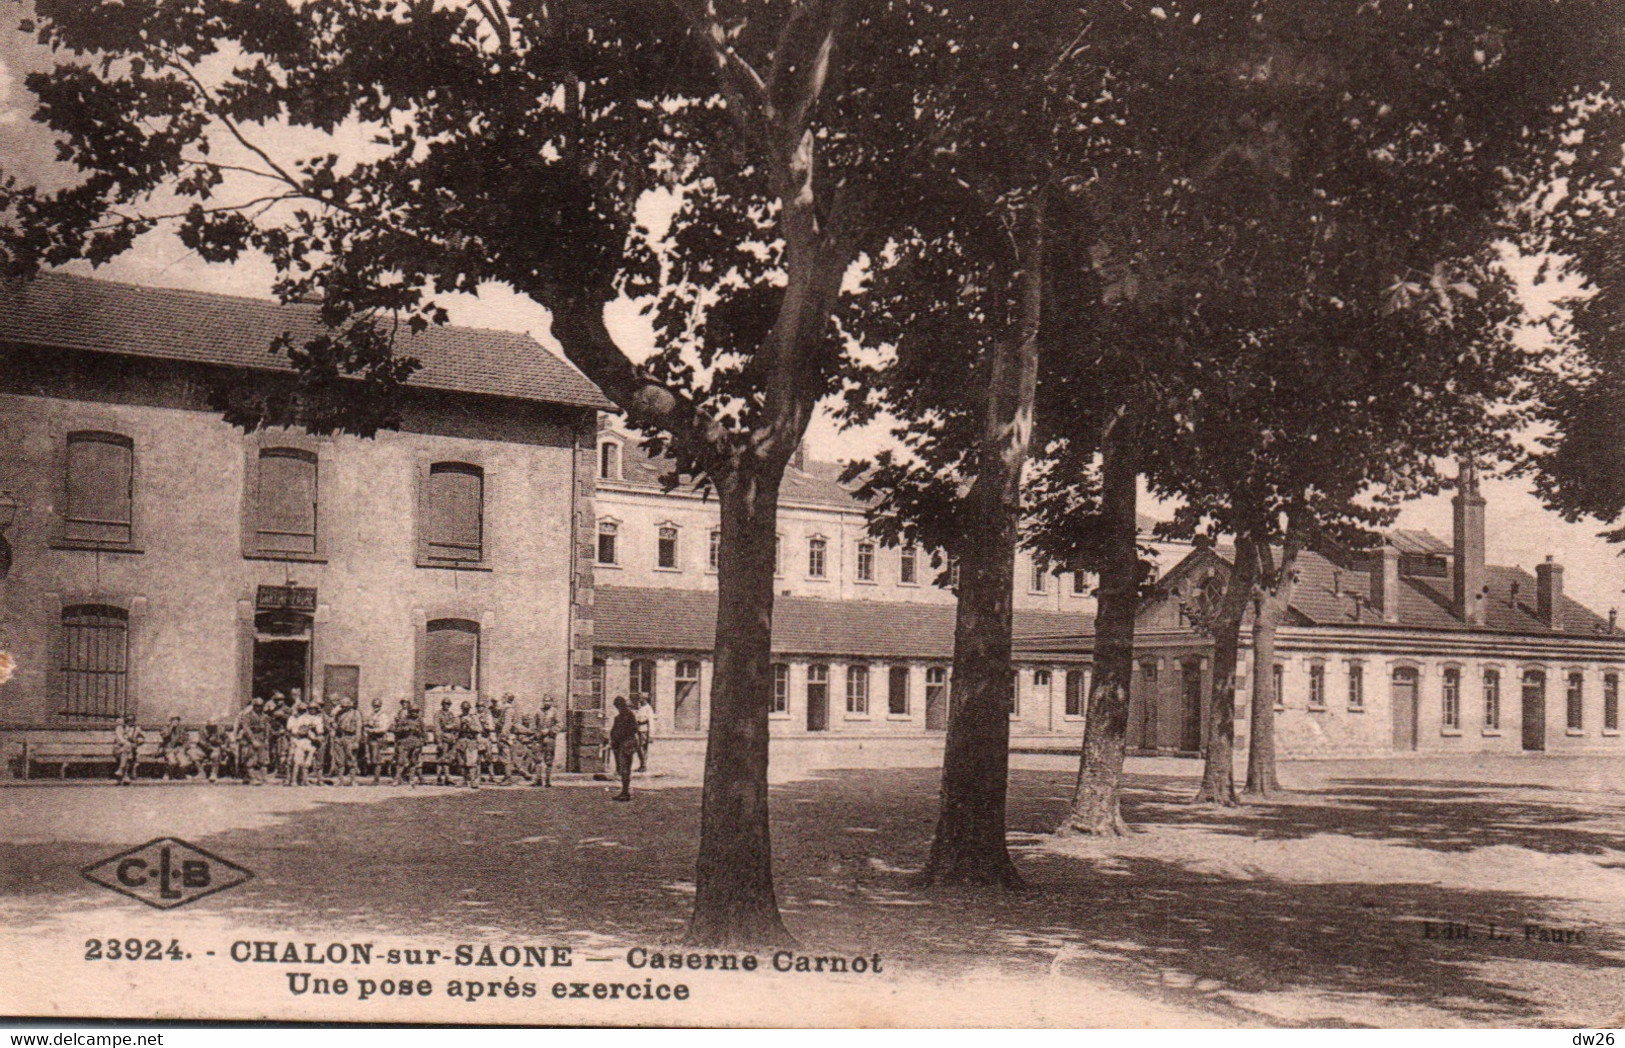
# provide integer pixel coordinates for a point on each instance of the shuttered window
(93, 663)
(455, 512)
(100, 468)
(285, 502)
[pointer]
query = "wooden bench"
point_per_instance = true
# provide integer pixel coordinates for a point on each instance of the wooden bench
(89, 748)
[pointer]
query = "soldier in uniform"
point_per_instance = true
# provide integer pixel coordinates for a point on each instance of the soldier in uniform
(507, 722)
(547, 739)
(211, 750)
(277, 712)
(380, 740)
(303, 727)
(346, 741)
(408, 731)
(253, 741)
(470, 731)
(127, 740)
(522, 747)
(447, 731)
(488, 736)
(174, 747)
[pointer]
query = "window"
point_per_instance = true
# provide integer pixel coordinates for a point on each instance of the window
(781, 688)
(908, 567)
(284, 502)
(866, 562)
(953, 573)
(778, 555)
(1040, 678)
(1317, 686)
(94, 662)
(456, 505)
(1015, 693)
(666, 547)
(1077, 692)
(1576, 703)
(857, 690)
(1040, 576)
(1078, 587)
(100, 491)
(1610, 702)
(641, 681)
(609, 461)
(607, 532)
(1356, 686)
(1148, 671)
(685, 702)
(1278, 686)
(713, 552)
(816, 549)
(818, 698)
(1492, 700)
(598, 668)
(897, 691)
(936, 689)
(1450, 696)
(451, 654)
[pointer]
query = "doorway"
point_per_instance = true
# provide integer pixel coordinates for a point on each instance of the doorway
(1403, 697)
(281, 654)
(818, 698)
(1534, 711)
(1190, 736)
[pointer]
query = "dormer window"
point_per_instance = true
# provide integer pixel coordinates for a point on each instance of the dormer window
(609, 460)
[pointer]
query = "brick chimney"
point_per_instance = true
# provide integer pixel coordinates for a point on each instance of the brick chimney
(1383, 565)
(1469, 546)
(1549, 593)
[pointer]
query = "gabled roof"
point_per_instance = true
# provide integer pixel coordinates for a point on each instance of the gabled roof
(1327, 594)
(61, 311)
(639, 619)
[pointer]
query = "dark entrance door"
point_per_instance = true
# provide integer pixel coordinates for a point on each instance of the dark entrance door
(280, 666)
(1191, 728)
(817, 698)
(1534, 710)
(1404, 706)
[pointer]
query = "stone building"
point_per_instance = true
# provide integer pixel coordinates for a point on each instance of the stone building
(164, 562)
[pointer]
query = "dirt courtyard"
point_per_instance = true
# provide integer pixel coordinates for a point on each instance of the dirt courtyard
(1366, 896)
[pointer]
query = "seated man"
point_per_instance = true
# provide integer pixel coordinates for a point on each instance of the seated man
(175, 744)
(127, 740)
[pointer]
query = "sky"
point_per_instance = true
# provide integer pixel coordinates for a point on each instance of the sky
(1519, 530)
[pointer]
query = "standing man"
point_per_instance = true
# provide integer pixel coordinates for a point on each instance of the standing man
(380, 735)
(471, 729)
(507, 728)
(447, 735)
(547, 740)
(127, 740)
(346, 741)
(623, 742)
(278, 712)
(302, 729)
(254, 742)
(641, 712)
(408, 731)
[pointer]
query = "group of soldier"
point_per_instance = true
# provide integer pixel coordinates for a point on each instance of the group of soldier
(304, 742)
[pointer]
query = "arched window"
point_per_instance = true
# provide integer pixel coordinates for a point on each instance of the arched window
(94, 663)
(285, 501)
(456, 510)
(608, 532)
(100, 488)
(781, 688)
(609, 460)
(866, 562)
(713, 552)
(1492, 700)
(908, 566)
(1077, 692)
(1450, 699)
(817, 551)
(451, 655)
(642, 681)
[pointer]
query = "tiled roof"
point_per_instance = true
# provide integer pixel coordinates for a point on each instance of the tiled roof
(1409, 540)
(59, 310)
(633, 618)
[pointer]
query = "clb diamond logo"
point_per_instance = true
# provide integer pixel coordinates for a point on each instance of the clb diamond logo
(166, 873)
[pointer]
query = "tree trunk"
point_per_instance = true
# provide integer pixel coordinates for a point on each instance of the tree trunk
(734, 903)
(1218, 773)
(969, 845)
(1095, 803)
(1269, 609)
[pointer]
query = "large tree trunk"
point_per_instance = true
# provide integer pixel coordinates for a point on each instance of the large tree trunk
(734, 903)
(1218, 773)
(1269, 609)
(1095, 803)
(969, 845)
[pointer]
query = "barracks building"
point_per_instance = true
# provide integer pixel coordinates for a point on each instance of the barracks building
(160, 562)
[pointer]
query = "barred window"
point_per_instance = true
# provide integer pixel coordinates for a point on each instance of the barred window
(94, 662)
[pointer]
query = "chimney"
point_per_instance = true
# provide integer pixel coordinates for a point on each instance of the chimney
(1613, 620)
(1549, 593)
(798, 458)
(1384, 567)
(1469, 546)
